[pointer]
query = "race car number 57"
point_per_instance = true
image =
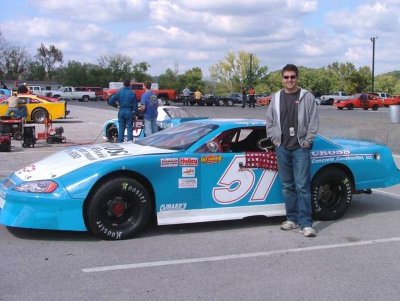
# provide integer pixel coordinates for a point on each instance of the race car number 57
(237, 182)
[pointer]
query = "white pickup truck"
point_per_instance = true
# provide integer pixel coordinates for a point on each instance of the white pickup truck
(38, 90)
(69, 93)
(339, 95)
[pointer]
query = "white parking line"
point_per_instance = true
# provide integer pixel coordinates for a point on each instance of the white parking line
(236, 256)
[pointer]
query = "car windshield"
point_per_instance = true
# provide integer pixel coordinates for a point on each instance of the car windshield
(178, 138)
(178, 113)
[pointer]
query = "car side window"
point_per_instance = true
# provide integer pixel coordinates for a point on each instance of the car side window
(235, 141)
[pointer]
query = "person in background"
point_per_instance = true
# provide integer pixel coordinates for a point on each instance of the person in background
(197, 96)
(186, 96)
(13, 109)
(23, 89)
(125, 100)
(244, 97)
(3, 85)
(252, 101)
(292, 125)
(149, 106)
(364, 100)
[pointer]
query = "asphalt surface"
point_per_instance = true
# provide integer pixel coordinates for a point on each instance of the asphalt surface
(354, 258)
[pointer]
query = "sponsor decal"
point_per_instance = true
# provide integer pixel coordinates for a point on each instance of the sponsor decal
(188, 172)
(173, 207)
(359, 157)
(169, 162)
(187, 183)
(211, 159)
(332, 156)
(329, 153)
(188, 161)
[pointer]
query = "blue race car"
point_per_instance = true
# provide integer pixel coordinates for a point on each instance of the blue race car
(168, 116)
(198, 171)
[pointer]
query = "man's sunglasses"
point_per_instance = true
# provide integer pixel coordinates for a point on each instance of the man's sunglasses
(291, 76)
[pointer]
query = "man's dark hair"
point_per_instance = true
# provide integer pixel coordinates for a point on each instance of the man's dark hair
(127, 83)
(147, 84)
(290, 67)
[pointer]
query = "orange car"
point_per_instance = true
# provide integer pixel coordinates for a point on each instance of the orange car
(393, 100)
(373, 102)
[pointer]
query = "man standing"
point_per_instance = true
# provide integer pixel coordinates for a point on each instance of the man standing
(252, 101)
(149, 106)
(197, 96)
(292, 124)
(186, 96)
(13, 109)
(125, 99)
(244, 98)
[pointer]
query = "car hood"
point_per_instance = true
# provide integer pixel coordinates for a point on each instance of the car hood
(76, 157)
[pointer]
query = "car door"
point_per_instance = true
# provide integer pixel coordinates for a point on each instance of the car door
(226, 180)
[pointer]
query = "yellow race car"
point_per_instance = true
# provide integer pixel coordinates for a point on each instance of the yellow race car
(37, 108)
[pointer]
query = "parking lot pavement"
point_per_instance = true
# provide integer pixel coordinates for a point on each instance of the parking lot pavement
(353, 258)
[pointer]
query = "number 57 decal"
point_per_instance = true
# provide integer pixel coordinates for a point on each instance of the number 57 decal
(237, 182)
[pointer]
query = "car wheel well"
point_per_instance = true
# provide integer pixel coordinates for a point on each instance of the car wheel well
(342, 167)
(116, 174)
(332, 189)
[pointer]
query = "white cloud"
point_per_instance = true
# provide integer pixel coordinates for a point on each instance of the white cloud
(193, 33)
(93, 10)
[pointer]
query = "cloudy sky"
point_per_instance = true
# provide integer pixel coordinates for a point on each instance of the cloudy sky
(183, 34)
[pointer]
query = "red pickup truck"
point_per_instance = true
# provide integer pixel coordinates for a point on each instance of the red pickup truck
(166, 95)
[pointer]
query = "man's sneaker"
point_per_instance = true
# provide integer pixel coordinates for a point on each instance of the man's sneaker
(288, 225)
(308, 232)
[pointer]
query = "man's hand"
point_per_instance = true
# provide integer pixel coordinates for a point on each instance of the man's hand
(306, 144)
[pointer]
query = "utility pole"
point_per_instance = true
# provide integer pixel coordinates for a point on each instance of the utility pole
(373, 62)
(251, 71)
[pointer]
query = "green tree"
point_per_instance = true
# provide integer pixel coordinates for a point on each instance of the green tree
(14, 62)
(118, 66)
(192, 79)
(49, 57)
(386, 83)
(168, 80)
(75, 74)
(35, 71)
(139, 72)
(233, 72)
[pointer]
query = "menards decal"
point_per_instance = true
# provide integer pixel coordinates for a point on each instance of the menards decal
(210, 159)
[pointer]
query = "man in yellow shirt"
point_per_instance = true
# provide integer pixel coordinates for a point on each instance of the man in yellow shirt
(197, 96)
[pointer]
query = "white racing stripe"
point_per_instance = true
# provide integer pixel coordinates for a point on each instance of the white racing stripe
(236, 256)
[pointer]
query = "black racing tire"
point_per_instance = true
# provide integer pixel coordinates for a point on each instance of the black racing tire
(331, 194)
(118, 209)
(375, 107)
(112, 134)
(350, 106)
(17, 135)
(39, 115)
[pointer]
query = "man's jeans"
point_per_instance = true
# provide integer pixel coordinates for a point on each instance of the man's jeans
(294, 168)
(125, 121)
(150, 126)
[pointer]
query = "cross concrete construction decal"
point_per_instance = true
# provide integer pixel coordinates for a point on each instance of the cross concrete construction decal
(337, 156)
